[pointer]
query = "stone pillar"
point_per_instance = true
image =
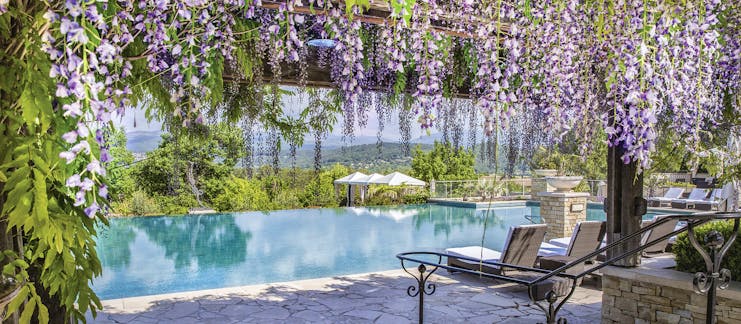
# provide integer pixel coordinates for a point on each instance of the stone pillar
(561, 211)
(539, 185)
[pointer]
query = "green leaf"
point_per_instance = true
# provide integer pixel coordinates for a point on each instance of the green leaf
(41, 200)
(18, 192)
(28, 311)
(43, 314)
(59, 243)
(3, 178)
(28, 106)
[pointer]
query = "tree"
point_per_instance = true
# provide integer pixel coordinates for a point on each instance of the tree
(240, 195)
(121, 183)
(443, 163)
(320, 191)
(211, 154)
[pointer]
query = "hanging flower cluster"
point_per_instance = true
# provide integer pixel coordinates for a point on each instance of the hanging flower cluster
(431, 71)
(653, 60)
(279, 34)
(183, 38)
(498, 58)
(550, 59)
(350, 52)
(662, 64)
(347, 68)
(694, 98)
(392, 50)
(728, 73)
(85, 50)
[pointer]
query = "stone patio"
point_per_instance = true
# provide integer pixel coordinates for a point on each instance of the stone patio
(367, 298)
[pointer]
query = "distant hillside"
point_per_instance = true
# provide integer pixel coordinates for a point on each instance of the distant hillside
(142, 141)
(365, 156)
(428, 139)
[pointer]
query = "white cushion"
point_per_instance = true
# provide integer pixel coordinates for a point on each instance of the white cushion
(551, 252)
(550, 246)
(475, 252)
(660, 199)
(547, 249)
(560, 242)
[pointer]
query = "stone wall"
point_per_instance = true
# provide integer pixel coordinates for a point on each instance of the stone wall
(640, 295)
(561, 211)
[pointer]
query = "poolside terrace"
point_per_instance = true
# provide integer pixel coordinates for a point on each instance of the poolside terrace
(365, 298)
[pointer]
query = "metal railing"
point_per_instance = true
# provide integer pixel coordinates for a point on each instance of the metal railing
(704, 282)
(486, 188)
(482, 188)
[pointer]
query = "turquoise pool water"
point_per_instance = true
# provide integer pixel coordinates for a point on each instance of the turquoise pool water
(156, 255)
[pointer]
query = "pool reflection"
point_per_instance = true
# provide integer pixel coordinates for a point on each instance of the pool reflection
(154, 255)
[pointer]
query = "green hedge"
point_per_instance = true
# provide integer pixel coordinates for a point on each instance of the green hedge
(689, 260)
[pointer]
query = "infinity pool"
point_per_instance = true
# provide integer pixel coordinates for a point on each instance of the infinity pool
(157, 255)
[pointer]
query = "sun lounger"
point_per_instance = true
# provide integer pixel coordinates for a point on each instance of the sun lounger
(656, 233)
(668, 227)
(712, 202)
(520, 248)
(671, 194)
(586, 238)
(696, 195)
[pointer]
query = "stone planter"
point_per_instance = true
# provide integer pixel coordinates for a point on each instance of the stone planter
(563, 184)
(545, 172)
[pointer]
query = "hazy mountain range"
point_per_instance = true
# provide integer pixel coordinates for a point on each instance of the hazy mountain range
(362, 153)
(145, 141)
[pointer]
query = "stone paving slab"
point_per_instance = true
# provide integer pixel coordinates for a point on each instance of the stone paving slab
(366, 298)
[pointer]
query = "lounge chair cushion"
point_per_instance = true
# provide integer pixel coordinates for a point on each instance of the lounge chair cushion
(547, 249)
(520, 248)
(476, 252)
(695, 195)
(561, 242)
(672, 193)
(583, 241)
(657, 232)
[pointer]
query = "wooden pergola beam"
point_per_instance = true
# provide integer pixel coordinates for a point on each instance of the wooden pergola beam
(379, 13)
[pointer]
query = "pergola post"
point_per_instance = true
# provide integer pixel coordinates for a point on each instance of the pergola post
(624, 205)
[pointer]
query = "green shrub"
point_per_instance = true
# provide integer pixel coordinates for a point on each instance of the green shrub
(381, 199)
(689, 260)
(240, 195)
(288, 199)
(391, 195)
(515, 188)
(687, 185)
(121, 207)
(583, 186)
(176, 205)
(320, 192)
(416, 198)
(141, 204)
